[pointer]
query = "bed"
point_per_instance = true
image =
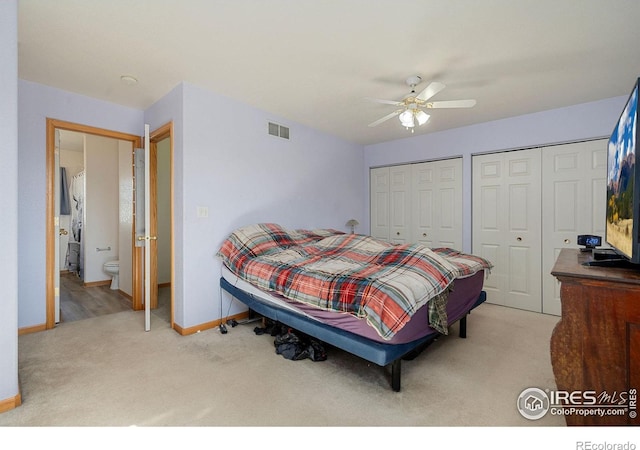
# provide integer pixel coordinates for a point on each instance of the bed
(380, 301)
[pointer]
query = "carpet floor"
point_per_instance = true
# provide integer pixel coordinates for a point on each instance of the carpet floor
(107, 372)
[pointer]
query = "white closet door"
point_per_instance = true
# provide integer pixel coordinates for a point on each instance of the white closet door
(424, 192)
(574, 200)
(506, 213)
(379, 198)
(400, 204)
(437, 203)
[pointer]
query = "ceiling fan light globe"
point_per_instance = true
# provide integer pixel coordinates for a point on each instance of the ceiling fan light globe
(408, 123)
(422, 117)
(406, 118)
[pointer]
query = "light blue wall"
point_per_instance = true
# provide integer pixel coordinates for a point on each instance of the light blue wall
(242, 174)
(9, 200)
(575, 123)
(36, 103)
(226, 161)
(234, 168)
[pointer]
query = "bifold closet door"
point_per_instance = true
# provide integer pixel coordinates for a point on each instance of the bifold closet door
(436, 194)
(506, 211)
(379, 202)
(574, 178)
(400, 204)
(420, 202)
(390, 194)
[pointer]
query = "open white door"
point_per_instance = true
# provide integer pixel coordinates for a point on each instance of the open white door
(143, 222)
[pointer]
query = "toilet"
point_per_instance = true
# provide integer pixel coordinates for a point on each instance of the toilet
(112, 268)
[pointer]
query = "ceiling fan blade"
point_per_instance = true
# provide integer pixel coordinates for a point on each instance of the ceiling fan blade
(386, 102)
(387, 117)
(451, 104)
(430, 91)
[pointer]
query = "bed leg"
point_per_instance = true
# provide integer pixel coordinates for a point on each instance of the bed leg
(463, 327)
(395, 374)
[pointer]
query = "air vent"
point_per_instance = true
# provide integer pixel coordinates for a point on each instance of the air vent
(278, 130)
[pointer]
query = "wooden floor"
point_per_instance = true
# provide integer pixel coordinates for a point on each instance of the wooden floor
(78, 302)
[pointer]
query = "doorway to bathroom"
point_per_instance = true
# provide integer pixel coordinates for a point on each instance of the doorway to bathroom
(94, 227)
(80, 282)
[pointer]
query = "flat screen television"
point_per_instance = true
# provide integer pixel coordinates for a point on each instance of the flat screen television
(623, 186)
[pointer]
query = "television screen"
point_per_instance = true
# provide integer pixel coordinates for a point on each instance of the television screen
(622, 197)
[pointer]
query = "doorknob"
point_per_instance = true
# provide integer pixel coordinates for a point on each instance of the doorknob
(63, 232)
(147, 238)
(518, 239)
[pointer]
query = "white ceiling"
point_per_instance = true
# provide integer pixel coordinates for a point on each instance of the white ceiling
(314, 62)
(71, 140)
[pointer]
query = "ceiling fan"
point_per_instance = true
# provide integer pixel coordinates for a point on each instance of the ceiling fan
(410, 112)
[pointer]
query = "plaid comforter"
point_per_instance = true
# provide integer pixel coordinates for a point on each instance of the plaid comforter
(372, 279)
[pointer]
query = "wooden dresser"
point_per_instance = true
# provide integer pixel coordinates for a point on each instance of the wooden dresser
(596, 344)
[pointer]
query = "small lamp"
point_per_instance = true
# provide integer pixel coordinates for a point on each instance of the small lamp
(353, 223)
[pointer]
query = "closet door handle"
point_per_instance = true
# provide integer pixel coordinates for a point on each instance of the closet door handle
(519, 239)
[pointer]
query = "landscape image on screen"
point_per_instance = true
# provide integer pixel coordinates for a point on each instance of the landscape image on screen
(620, 179)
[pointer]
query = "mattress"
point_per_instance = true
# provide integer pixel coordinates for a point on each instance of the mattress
(462, 298)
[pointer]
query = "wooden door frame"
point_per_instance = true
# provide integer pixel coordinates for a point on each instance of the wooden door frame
(52, 125)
